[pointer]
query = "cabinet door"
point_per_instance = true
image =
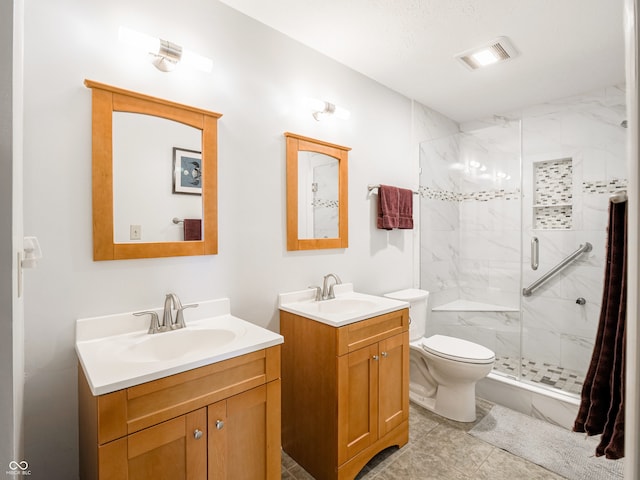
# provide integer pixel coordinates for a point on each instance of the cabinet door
(175, 449)
(244, 435)
(357, 401)
(393, 382)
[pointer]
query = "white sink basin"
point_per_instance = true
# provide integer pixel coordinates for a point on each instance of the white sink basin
(344, 305)
(116, 351)
(176, 344)
(347, 306)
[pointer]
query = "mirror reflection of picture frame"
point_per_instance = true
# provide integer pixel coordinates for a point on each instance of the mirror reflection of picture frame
(187, 171)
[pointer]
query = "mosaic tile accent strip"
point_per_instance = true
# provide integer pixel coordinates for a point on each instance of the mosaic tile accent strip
(480, 196)
(602, 187)
(564, 379)
(324, 203)
(553, 182)
(435, 194)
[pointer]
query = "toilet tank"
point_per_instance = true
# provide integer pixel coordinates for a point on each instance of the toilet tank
(418, 301)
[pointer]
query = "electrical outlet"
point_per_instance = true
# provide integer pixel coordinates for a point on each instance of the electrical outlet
(135, 232)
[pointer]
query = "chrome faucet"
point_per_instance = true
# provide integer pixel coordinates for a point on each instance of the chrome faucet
(172, 300)
(318, 291)
(154, 325)
(328, 293)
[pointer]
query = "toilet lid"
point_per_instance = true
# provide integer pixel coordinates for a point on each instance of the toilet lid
(457, 349)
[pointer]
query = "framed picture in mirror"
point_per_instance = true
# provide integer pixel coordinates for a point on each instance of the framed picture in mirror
(187, 171)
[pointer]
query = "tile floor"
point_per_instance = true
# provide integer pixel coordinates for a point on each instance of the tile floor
(564, 379)
(439, 449)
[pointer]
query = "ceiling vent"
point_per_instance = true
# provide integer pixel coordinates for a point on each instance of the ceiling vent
(496, 51)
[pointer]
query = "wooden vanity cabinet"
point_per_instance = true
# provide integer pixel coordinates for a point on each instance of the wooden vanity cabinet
(345, 391)
(220, 421)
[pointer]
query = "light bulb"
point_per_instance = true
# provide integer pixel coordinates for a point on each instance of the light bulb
(140, 41)
(196, 61)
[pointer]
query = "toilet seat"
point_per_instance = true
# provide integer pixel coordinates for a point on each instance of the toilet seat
(457, 349)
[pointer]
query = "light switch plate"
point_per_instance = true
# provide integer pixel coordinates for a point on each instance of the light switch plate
(135, 232)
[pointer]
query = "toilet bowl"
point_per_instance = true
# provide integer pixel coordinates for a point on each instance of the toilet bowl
(443, 370)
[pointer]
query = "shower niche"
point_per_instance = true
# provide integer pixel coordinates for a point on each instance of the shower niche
(553, 196)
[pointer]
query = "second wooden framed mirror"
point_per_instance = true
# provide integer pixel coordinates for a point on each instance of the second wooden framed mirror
(317, 193)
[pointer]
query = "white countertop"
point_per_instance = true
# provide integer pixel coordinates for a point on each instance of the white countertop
(103, 345)
(347, 307)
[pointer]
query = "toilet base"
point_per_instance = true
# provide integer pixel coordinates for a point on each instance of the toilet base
(455, 403)
(425, 402)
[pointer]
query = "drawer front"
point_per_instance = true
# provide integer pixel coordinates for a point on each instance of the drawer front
(360, 334)
(153, 402)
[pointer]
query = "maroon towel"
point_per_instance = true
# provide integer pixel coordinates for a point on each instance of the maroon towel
(192, 229)
(388, 207)
(602, 401)
(405, 209)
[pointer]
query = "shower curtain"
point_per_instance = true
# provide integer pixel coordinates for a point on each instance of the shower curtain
(602, 401)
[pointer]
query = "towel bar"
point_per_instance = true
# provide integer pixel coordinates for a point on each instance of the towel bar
(619, 197)
(373, 187)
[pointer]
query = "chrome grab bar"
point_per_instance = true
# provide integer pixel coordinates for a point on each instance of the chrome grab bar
(526, 292)
(535, 244)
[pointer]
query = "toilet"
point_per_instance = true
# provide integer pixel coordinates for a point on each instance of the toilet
(443, 370)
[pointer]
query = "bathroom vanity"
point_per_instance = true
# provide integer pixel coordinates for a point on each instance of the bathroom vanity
(207, 414)
(345, 381)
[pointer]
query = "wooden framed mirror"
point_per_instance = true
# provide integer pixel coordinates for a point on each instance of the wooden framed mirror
(317, 193)
(113, 111)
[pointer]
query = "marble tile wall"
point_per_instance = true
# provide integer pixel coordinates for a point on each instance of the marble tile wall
(585, 128)
(476, 224)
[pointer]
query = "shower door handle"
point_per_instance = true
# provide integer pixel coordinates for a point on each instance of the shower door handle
(535, 253)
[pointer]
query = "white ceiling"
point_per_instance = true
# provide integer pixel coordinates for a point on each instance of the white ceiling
(566, 46)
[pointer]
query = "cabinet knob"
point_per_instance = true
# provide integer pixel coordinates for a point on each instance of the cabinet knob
(375, 357)
(219, 424)
(197, 434)
(385, 354)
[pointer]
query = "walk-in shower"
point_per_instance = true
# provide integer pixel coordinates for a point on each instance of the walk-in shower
(521, 201)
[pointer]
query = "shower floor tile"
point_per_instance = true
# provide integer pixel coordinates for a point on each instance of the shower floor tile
(553, 376)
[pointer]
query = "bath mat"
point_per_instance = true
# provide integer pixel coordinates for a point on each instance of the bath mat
(566, 453)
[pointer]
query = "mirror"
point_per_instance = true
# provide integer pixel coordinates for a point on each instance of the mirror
(317, 210)
(144, 174)
(153, 161)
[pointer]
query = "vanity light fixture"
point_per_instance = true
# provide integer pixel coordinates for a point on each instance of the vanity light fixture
(498, 50)
(321, 107)
(165, 54)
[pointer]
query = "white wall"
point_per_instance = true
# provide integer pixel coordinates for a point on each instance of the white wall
(259, 81)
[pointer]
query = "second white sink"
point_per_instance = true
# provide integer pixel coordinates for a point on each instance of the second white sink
(347, 306)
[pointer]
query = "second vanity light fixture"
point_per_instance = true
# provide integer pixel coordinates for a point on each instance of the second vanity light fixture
(165, 54)
(322, 108)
